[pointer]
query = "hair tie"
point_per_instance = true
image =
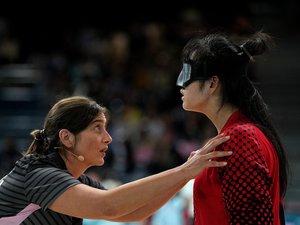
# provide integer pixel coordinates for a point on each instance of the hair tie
(41, 136)
(247, 53)
(42, 133)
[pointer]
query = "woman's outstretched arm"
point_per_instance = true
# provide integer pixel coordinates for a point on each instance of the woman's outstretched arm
(138, 199)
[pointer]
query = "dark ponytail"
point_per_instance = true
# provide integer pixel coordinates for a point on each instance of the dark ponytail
(258, 43)
(253, 105)
(40, 142)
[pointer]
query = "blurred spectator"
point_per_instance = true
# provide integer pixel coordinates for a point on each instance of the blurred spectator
(178, 210)
(9, 45)
(187, 194)
(8, 155)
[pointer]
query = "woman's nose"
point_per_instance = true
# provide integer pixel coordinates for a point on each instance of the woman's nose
(108, 138)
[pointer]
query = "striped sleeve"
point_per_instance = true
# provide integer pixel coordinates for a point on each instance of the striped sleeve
(91, 182)
(44, 185)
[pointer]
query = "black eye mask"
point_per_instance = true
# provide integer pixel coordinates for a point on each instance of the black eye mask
(191, 73)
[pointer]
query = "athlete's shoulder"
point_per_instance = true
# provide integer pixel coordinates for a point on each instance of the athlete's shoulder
(248, 129)
(32, 161)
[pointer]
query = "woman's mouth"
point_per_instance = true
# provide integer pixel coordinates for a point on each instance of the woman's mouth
(103, 152)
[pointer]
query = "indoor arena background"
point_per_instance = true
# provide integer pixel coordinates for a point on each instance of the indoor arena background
(127, 58)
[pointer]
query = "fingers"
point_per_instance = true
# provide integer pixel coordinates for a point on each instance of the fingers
(214, 142)
(198, 161)
(216, 164)
(217, 154)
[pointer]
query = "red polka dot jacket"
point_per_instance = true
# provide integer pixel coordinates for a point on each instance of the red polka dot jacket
(246, 191)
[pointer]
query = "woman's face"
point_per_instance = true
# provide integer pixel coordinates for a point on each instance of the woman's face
(194, 96)
(92, 143)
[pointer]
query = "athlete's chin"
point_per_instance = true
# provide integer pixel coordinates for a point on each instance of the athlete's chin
(186, 107)
(99, 163)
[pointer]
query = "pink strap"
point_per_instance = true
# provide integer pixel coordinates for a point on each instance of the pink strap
(21, 216)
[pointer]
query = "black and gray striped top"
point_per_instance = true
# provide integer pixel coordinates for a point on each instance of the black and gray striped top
(39, 180)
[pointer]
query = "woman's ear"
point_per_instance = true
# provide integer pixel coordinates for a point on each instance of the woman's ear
(214, 81)
(213, 85)
(66, 138)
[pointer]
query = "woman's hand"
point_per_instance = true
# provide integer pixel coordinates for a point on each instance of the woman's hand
(203, 157)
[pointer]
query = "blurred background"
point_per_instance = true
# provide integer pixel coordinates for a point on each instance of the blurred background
(128, 58)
